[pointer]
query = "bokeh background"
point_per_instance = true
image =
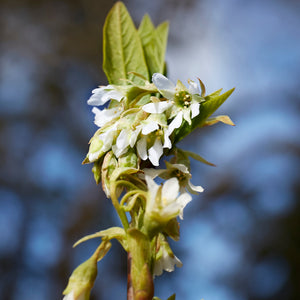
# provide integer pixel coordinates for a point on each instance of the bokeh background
(240, 238)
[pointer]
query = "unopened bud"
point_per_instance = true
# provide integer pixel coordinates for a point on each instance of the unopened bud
(108, 167)
(128, 160)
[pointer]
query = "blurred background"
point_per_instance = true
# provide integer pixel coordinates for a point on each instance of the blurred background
(240, 238)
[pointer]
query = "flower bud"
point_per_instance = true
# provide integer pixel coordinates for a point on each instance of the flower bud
(163, 204)
(128, 160)
(108, 167)
(83, 277)
(82, 281)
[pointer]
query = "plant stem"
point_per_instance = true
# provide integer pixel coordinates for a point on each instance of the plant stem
(139, 280)
(130, 295)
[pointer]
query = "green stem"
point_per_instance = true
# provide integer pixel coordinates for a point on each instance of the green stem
(126, 183)
(137, 181)
(128, 194)
(140, 279)
(118, 208)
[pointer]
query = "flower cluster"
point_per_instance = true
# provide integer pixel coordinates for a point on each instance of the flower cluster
(147, 128)
(143, 120)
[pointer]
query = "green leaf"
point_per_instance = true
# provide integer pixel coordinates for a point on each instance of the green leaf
(222, 118)
(122, 48)
(211, 104)
(107, 234)
(198, 157)
(154, 41)
(172, 297)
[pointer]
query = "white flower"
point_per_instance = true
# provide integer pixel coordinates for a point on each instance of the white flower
(180, 171)
(157, 107)
(184, 103)
(163, 203)
(154, 153)
(165, 260)
(156, 124)
(102, 142)
(166, 263)
(103, 94)
(125, 139)
(104, 116)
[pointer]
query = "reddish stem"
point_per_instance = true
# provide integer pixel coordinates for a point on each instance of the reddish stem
(130, 295)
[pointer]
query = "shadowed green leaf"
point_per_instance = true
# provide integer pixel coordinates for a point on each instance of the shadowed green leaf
(122, 48)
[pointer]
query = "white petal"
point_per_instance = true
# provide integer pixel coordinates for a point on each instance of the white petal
(105, 115)
(193, 87)
(170, 190)
(186, 115)
(153, 173)
(103, 94)
(99, 89)
(176, 123)
(112, 95)
(94, 156)
(167, 141)
(148, 128)
(152, 186)
(195, 108)
(107, 138)
(162, 82)
(117, 151)
(155, 152)
(196, 188)
(97, 97)
(164, 85)
(182, 201)
(181, 168)
(69, 296)
(141, 146)
(106, 189)
(178, 262)
(158, 268)
(134, 135)
(157, 107)
(168, 263)
(122, 142)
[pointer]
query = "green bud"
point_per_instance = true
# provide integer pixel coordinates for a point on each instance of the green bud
(96, 144)
(83, 277)
(97, 170)
(109, 165)
(161, 119)
(128, 160)
(82, 280)
(95, 149)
